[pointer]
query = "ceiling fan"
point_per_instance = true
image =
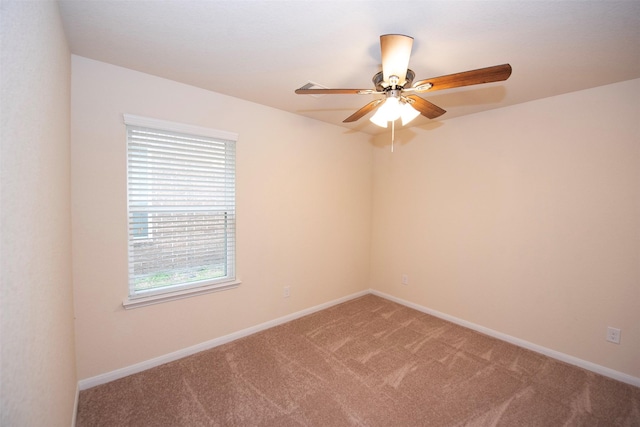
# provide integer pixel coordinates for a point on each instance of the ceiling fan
(395, 82)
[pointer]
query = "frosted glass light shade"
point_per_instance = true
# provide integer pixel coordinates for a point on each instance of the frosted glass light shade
(388, 112)
(408, 113)
(378, 119)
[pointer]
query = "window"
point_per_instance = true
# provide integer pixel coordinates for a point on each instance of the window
(139, 225)
(181, 209)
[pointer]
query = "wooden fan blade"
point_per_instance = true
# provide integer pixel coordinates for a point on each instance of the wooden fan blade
(425, 107)
(395, 50)
(334, 91)
(364, 110)
(474, 77)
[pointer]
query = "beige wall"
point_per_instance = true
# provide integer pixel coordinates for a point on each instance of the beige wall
(303, 200)
(524, 220)
(38, 374)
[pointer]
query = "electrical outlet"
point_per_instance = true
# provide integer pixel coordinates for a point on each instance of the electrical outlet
(405, 279)
(287, 292)
(613, 335)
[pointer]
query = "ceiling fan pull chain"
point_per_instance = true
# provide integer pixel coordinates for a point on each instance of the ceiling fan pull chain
(393, 133)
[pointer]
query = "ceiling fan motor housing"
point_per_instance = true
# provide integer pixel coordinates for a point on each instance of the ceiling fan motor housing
(381, 85)
(393, 93)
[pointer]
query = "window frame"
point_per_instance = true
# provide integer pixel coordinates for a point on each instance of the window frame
(183, 290)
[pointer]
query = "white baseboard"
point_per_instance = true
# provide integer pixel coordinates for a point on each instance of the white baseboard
(142, 366)
(598, 369)
(157, 361)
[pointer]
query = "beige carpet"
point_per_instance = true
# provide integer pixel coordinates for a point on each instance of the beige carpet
(367, 362)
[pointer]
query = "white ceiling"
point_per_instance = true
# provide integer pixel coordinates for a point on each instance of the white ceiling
(261, 51)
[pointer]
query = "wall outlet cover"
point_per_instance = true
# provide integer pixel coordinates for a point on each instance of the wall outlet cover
(613, 335)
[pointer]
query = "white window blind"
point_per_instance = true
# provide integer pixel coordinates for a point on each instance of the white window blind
(181, 208)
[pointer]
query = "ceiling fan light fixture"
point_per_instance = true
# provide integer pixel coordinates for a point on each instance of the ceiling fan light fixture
(392, 110)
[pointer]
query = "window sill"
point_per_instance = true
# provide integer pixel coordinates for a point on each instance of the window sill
(136, 302)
